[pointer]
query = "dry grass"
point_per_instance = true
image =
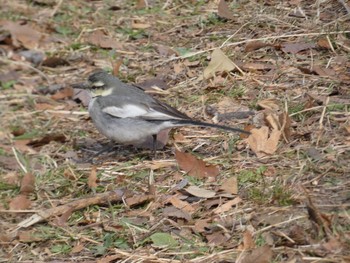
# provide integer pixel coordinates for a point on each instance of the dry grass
(296, 200)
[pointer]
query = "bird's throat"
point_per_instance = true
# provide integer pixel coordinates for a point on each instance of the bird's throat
(101, 92)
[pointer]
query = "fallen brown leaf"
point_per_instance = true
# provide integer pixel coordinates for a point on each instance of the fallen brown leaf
(255, 45)
(23, 35)
(324, 43)
(28, 236)
(262, 143)
(230, 185)
(224, 10)
(27, 184)
(20, 202)
(324, 72)
(219, 63)
(101, 39)
(77, 248)
(63, 93)
(248, 241)
(47, 139)
(138, 200)
(62, 220)
(259, 255)
(227, 206)
(141, 4)
(297, 47)
(255, 66)
(138, 25)
(195, 167)
(201, 225)
(216, 239)
(93, 178)
(200, 192)
(182, 205)
(53, 62)
(172, 211)
(271, 104)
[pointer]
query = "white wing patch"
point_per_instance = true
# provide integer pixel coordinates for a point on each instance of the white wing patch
(134, 111)
(128, 111)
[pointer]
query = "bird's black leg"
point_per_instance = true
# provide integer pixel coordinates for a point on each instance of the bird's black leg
(104, 149)
(154, 145)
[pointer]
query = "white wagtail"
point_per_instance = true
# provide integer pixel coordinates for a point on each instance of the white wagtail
(126, 114)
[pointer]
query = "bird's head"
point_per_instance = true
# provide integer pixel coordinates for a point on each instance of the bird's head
(102, 83)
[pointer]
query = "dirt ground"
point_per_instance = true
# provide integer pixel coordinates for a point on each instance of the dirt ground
(279, 69)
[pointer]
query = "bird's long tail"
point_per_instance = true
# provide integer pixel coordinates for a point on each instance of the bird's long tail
(212, 125)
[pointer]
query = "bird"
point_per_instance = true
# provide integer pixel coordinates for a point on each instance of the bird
(125, 114)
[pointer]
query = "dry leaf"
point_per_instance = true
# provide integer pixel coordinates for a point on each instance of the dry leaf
(136, 25)
(27, 184)
(20, 202)
(81, 96)
(47, 139)
(141, 4)
(333, 245)
(272, 121)
(271, 104)
(200, 192)
(10, 177)
(63, 93)
(172, 211)
(259, 255)
(62, 220)
(224, 10)
(347, 129)
(285, 122)
(254, 66)
(255, 45)
(227, 206)
(23, 35)
(324, 72)
(100, 39)
(230, 185)
(77, 248)
(248, 241)
(182, 205)
(116, 67)
(93, 178)
(219, 62)
(201, 225)
(297, 47)
(262, 143)
(138, 200)
(44, 106)
(216, 239)
(195, 167)
(324, 43)
(53, 62)
(29, 236)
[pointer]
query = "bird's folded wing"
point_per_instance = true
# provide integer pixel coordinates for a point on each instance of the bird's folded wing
(150, 109)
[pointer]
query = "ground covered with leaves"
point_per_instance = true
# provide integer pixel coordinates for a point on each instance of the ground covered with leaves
(279, 69)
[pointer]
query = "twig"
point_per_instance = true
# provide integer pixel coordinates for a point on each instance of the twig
(24, 169)
(278, 224)
(54, 11)
(103, 198)
(321, 128)
(347, 8)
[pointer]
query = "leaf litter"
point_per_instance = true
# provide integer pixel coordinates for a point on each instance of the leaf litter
(220, 197)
